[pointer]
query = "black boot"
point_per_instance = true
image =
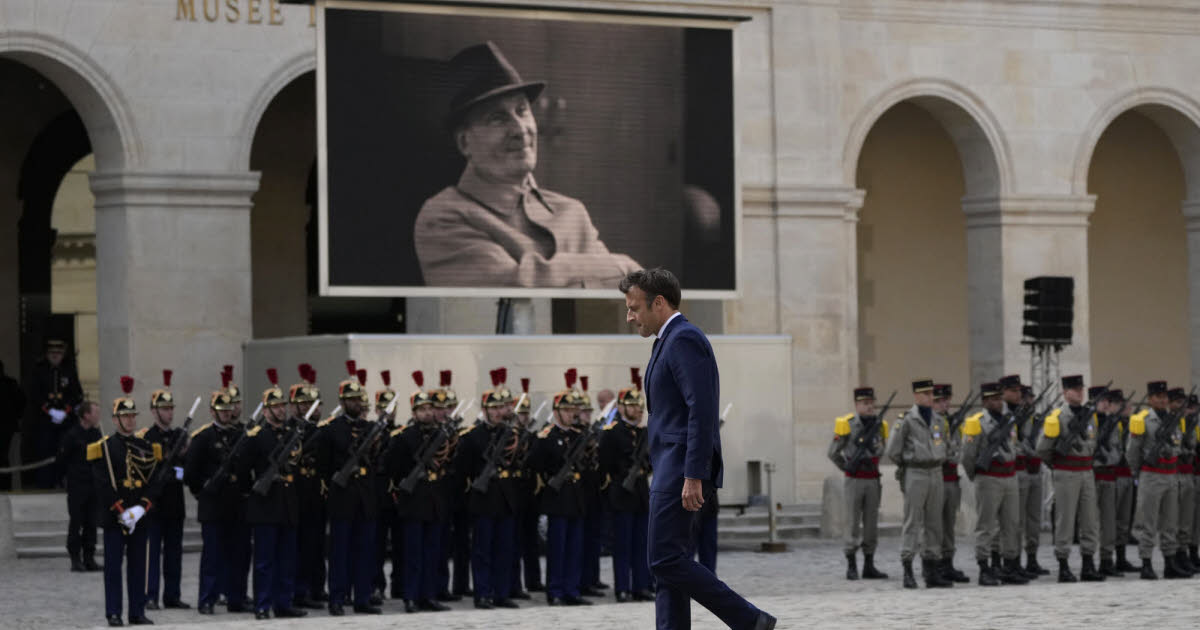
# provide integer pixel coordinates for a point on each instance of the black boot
(1123, 565)
(851, 566)
(1032, 566)
(951, 574)
(89, 561)
(933, 575)
(1064, 572)
(1013, 573)
(1194, 556)
(1106, 567)
(1185, 565)
(1179, 570)
(76, 563)
(909, 580)
(1147, 572)
(1088, 572)
(986, 576)
(869, 571)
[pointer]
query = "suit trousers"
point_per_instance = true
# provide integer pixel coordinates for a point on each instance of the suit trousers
(130, 549)
(81, 526)
(680, 579)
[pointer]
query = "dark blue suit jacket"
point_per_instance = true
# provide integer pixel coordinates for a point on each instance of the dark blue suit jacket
(682, 394)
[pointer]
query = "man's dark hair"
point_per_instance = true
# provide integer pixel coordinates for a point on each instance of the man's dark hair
(653, 282)
(85, 407)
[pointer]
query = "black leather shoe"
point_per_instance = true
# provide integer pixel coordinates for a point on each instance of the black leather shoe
(600, 586)
(590, 592)
(448, 597)
(367, 610)
(204, 609)
(290, 613)
(176, 604)
(644, 595)
(1064, 572)
(484, 603)
(521, 595)
(575, 601)
(554, 601)
(336, 610)
(505, 603)
(410, 606)
(151, 605)
(431, 605)
(115, 621)
(1088, 573)
(623, 597)
(869, 571)
(986, 576)
(140, 621)
(262, 614)
(765, 622)
(1147, 571)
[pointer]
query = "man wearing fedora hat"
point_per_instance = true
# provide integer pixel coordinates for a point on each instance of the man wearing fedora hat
(496, 227)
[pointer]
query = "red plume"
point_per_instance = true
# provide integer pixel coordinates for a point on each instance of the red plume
(362, 377)
(569, 375)
(351, 368)
(273, 376)
(127, 384)
(502, 374)
(304, 369)
(312, 375)
(228, 369)
(386, 375)
(225, 378)
(167, 378)
(445, 378)
(493, 374)
(637, 382)
(419, 378)
(583, 382)
(634, 374)
(525, 385)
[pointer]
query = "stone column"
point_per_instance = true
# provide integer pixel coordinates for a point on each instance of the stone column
(1191, 214)
(1011, 239)
(173, 274)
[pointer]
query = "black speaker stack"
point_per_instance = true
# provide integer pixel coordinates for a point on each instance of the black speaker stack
(1049, 311)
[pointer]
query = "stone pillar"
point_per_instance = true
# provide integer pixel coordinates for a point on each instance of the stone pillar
(173, 273)
(1009, 240)
(1191, 214)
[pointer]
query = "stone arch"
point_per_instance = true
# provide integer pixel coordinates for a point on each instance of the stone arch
(982, 148)
(101, 104)
(280, 77)
(1176, 113)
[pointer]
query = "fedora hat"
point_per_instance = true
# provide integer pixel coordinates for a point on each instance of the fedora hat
(483, 72)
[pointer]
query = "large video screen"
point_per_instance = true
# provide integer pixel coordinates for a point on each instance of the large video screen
(504, 152)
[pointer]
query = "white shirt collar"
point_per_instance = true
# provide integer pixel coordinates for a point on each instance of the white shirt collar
(664, 326)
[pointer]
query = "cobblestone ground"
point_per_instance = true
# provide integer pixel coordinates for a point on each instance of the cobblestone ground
(803, 587)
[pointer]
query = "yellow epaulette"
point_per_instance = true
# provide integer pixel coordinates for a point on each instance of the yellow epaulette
(325, 422)
(157, 451)
(841, 425)
(1137, 422)
(973, 426)
(462, 432)
(253, 431)
(610, 425)
(1051, 427)
(1183, 425)
(201, 429)
(396, 432)
(141, 433)
(545, 432)
(95, 450)
(884, 429)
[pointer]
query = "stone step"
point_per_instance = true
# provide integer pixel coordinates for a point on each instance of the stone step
(760, 520)
(59, 551)
(58, 537)
(743, 534)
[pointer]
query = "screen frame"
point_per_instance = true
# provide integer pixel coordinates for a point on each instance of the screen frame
(590, 14)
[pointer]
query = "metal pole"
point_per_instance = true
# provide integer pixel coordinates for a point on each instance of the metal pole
(772, 544)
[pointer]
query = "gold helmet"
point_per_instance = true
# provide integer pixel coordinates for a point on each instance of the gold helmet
(273, 396)
(161, 398)
(524, 406)
(445, 397)
(585, 400)
(632, 395)
(125, 404)
(499, 395)
(235, 392)
(568, 397)
(351, 388)
(385, 396)
(419, 397)
(220, 401)
(301, 393)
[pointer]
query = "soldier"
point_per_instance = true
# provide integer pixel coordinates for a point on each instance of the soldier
(310, 530)
(122, 470)
(1193, 421)
(528, 554)
(918, 447)
(55, 392)
(419, 452)
(1029, 474)
(594, 513)
(1152, 449)
(1072, 466)
(563, 505)
(81, 495)
(242, 555)
(165, 524)
(220, 506)
(1185, 477)
(267, 468)
(952, 493)
(1125, 490)
(1108, 457)
(996, 494)
(625, 461)
(351, 506)
(390, 533)
(456, 534)
(860, 436)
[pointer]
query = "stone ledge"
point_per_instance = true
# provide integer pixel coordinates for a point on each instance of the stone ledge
(831, 202)
(214, 190)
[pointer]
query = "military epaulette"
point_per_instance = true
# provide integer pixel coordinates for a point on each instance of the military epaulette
(546, 431)
(1051, 427)
(95, 450)
(396, 432)
(142, 432)
(973, 426)
(841, 425)
(201, 430)
(884, 430)
(157, 448)
(1137, 422)
(325, 422)
(253, 431)
(1183, 425)
(462, 432)
(609, 426)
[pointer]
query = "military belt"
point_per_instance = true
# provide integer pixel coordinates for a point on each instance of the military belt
(1073, 463)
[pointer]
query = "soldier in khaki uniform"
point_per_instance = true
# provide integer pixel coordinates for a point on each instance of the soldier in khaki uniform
(860, 436)
(1193, 420)
(1124, 492)
(918, 446)
(996, 492)
(1185, 477)
(1029, 474)
(951, 492)
(1108, 458)
(1152, 449)
(1072, 457)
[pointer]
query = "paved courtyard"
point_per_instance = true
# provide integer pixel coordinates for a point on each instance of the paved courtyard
(804, 588)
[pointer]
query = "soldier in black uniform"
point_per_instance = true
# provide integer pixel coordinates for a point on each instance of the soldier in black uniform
(242, 553)
(420, 502)
(266, 469)
(623, 456)
(165, 525)
(55, 392)
(595, 513)
(491, 495)
(81, 493)
(352, 507)
(220, 506)
(122, 470)
(456, 534)
(526, 518)
(310, 566)
(563, 506)
(389, 535)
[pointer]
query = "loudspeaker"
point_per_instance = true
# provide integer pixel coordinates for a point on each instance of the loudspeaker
(1049, 310)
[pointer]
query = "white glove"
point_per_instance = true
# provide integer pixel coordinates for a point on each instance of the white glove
(127, 521)
(57, 415)
(179, 473)
(135, 514)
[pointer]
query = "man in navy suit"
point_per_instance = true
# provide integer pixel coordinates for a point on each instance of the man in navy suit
(682, 390)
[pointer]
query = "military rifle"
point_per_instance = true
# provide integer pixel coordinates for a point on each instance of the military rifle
(359, 453)
(176, 448)
(1107, 426)
(281, 454)
(425, 456)
(1168, 425)
(639, 462)
(492, 456)
(573, 457)
(226, 467)
(993, 441)
(1078, 424)
(865, 438)
(961, 415)
(1024, 411)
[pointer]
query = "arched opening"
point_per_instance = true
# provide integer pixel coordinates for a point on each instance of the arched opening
(912, 251)
(1138, 251)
